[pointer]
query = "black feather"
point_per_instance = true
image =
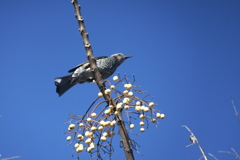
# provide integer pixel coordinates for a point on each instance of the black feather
(64, 84)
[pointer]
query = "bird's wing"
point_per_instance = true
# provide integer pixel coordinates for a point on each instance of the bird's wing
(85, 64)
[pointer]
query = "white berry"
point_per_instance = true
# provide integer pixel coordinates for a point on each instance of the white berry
(125, 92)
(87, 134)
(153, 120)
(126, 107)
(100, 128)
(81, 125)
(142, 123)
(130, 94)
(142, 116)
(137, 108)
(138, 103)
(93, 128)
(129, 86)
(80, 148)
(119, 106)
(146, 109)
(112, 87)
(93, 114)
(115, 113)
(115, 78)
(107, 91)
(100, 94)
(88, 141)
(76, 145)
(103, 138)
(69, 138)
(107, 111)
(71, 127)
(80, 137)
(158, 115)
(162, 116)
(151, 104)
(131, 126)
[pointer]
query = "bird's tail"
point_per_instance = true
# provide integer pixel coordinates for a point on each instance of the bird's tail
(63, 84)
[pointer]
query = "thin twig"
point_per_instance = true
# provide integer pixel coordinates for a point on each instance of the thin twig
(194, 139)
(213, 156)
(10, 158)
(234, 154)
(235, 110)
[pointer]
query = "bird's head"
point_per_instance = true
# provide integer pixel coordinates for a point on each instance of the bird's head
(119, 57)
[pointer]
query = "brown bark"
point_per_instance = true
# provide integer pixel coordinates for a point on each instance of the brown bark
(121, 127)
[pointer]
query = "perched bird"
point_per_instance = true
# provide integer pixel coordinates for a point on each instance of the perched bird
(82, 73)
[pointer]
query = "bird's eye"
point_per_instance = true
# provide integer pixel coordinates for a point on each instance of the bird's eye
(119, 56)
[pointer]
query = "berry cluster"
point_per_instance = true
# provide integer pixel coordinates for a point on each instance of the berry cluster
(94, 131)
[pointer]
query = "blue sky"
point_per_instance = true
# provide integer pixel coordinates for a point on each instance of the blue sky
(185, 53)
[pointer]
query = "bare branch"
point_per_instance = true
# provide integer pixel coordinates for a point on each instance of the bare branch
(194, 140)
(234, 154)
(10, 158)
(235, 110)
(213, 156)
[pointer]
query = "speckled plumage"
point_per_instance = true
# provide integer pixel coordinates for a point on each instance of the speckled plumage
(82, 73)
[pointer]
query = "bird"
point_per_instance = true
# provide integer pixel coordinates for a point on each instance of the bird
(82, 73)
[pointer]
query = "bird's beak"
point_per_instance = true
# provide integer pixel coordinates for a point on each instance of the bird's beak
(126, 57)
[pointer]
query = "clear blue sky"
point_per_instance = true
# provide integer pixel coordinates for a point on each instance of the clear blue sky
(185, 53)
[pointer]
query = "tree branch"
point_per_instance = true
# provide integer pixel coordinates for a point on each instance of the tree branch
(194, 139)
(121, 127)
(235, 110)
